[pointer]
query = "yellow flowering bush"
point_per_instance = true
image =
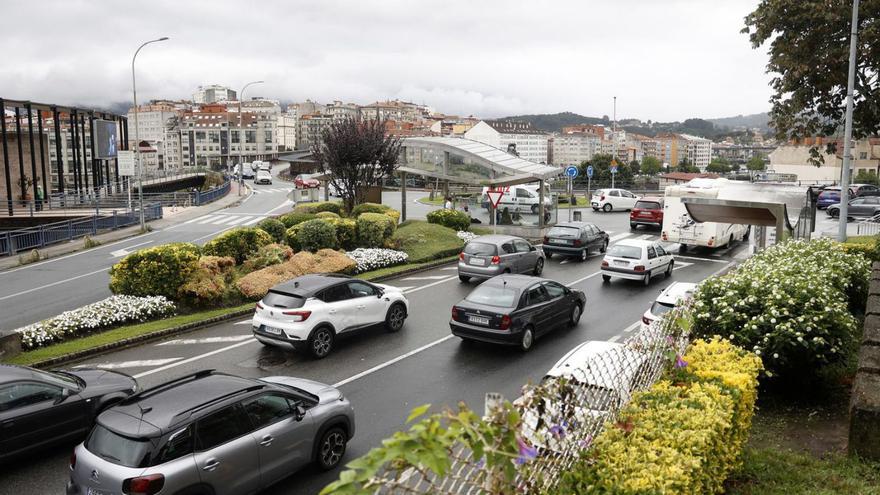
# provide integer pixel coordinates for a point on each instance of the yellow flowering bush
(155, 271)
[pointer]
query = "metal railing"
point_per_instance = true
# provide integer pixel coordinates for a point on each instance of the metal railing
(869, 226)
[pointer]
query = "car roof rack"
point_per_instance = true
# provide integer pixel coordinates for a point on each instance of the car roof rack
(149, 392)
(198, 407)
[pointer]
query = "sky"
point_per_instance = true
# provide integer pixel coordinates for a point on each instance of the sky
(665, 60)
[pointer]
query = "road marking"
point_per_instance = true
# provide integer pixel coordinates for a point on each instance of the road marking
(645, 237)
(432, 284)
(404, 288)
(392, 361)
(194, 358)
(426, 277)
(208, 340)
(450, 268)
(200, 219)
(253, 221)
(124, 251)
(619, 236)
(84, 251)
(632, 327)
(677, 256)
(28, 291)
(230, 220)
(285, 204)
(132, 364)
(210, 235)
(615, 338)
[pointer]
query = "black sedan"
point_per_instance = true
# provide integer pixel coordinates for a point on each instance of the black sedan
(574, 239)
(515, 310)
(39, 408)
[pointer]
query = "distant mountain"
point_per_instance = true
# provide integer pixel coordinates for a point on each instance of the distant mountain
(556, 121)
(759, 120)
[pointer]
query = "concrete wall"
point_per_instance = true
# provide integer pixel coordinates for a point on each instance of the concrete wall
(864, 427)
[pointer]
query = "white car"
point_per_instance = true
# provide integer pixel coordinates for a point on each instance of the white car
(635, 259)
(671, 297)
(263, 177)
(308, 312)
(613, 199)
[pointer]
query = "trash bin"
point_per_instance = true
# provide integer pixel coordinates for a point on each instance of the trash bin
(576, 215)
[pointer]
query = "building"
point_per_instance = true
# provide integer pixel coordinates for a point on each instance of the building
(515, 137)
(673, 148)
(400, 111)
(452, 126)
(157, 123)
(674, 178)
(213, 94)
(210, 136)
(740, 153)
(341, 111)
(794, 159)
(286, 132)
(310, 128)
(574, 148)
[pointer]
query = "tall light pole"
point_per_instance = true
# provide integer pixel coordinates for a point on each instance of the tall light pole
(241, 136)
(137, 140)
(847, 130)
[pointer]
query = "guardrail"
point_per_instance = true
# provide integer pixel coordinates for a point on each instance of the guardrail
(869, 226)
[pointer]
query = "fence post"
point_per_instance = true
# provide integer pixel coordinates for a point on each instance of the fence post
(94, 224)
(30, 207)
(69, 230)
(115, 221)
(42, 236)
(9, 248)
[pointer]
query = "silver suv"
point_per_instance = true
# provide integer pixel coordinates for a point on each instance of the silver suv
(489, 255)
(212, 433)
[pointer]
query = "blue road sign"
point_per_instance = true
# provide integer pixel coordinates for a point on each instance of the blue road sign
(571, 171)
(614, 169)
(590, 171)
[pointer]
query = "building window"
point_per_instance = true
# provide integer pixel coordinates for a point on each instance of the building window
(863, 155)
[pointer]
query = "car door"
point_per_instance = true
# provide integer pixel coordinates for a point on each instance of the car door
(560, 302)
(341, 308)
(871, 204)
(370, 308)
(538, 304)
(664, 257)
(509, 257)
(526, 258)
(653, 260)
(34, 413)
(628, 200)
(613, 197)
(226, 453)
(284, 436)
(857, 207)
(592, 237)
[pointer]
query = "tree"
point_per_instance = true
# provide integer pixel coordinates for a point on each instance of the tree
(602, 170)
(866, 177)
(686, 166)
(756, 163)
(651, 165)
(718, 166)
(634, 167)
(809, 57)
(734, 167)
(356, 153)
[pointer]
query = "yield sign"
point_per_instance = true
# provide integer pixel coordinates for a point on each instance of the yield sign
(495, 197)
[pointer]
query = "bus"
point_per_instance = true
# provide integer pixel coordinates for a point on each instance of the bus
(678, 226)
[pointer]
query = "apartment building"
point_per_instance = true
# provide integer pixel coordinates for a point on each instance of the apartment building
(515, 137)
(794, 158)
(211, 136)
(213, 93)
(672, 148)
(574, 148)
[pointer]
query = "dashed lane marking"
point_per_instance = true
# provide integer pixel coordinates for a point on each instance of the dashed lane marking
(426, 277)
(131, 364)
(207, 340)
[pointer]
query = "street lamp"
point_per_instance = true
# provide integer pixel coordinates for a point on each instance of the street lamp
(241, 136)
(137, 140)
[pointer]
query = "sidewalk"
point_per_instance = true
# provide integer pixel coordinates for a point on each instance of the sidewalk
(170, 216)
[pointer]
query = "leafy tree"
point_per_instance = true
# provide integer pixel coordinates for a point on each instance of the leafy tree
(356, 153)
(809, 57)
(635, 167)
(866, 177)
(651, 165)
(602, 170)
(756, 163)
(734, 167)
(686, 166)
(718, 166)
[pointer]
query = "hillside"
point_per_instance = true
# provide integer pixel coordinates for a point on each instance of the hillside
(759, 120)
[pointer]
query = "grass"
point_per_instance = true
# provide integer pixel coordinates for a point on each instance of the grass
(424, 241)
(861, 239)
(437, 201)
(581, 202)
(393, 270)
(116, 334)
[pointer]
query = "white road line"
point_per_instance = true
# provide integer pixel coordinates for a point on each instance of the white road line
(285, 204)
(210, 235)
(582, 279)
(645, 237)
(84, 251)
(194, 358)
(426, 277)
(131, 364)
(677, 256)
(404, 288)
(125, 251)
(450, 268)
(566, 260)
(221, 219)
(23, 292)
(209, 218)
(619, 236)
(207, 340)
(389, 363)
(432, 284)
(632, 327)
(232, 220)
(615, 338)
(253, 221)
(243, 322)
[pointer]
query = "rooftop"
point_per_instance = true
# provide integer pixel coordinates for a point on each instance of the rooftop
(513, 127)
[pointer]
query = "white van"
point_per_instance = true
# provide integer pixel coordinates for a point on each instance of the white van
(523, 198)
(678, 226)
(248, 171)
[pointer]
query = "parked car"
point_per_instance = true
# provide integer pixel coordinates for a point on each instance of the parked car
(309, 312)
(635, 259)
(515, 310)
(861, 190)
(867, 206)
(41, 408)
(668, 299)
(263, 177)
(648, 211)
(214, 433)
(828, 197)
(613, 199)
(574, 239)
(490, 255)
(303, 181)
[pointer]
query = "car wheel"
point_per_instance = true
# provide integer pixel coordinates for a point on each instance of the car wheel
(647, 279)
(607, 207)
(834, 213)
(575, 315)
(606, 278)
(583, 256)
(633, 226)
(464, 278)
(528, 338)
(604, 247)
(331, 448)
(539, 267)
(395, 318)
(682, 248)
(535, 209)
(730, 240)
(548, 255)
(669, 269)
(748, 233)
(321, 342)
(595, 209)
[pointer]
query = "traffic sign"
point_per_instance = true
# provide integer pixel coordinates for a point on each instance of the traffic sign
(614, 169)
(495, 197)
(126, 163)
(590, 171)
(571, 171)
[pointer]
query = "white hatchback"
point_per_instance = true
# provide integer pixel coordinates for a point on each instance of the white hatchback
(613, 199)
(308, 312)
(669, 298)
(634, 259)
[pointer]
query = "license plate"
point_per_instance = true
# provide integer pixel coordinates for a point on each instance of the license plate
(478, 261)
(272, 330)
(92, 491)
(560, 241)
(621, 263)
(479, 320)
(645, 214)
(595, 203)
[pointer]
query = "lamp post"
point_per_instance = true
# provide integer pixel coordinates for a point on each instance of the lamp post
(137, 141)
(847, 128)
(241, 136)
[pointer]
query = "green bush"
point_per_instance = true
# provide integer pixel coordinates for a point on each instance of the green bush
(368, 208)
(424, 241)
(274, 228)
(454, 219)
(373, 229)
(331, 206)
(327, 215)
(866, 246)
(155, 271)
(346, 232)
(238, 243)
(316, 234)
(295, 217)
(272, 254)
(292, 240)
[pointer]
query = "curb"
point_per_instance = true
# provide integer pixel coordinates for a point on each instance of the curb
(430, 266)
(140, 339)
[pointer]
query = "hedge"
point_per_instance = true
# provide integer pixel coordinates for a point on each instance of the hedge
(274, 228)
(684, 435)
(373, 229)
(155, 271)
(208, 284)
(318, 207)
(238, 243)
(316, 234)
(272, 254)
(255, 285)
(327, 215)
(424, 241)
(295, 217)
(454, 219)
(346, 232)
(368, 208)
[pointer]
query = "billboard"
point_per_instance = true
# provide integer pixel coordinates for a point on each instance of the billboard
(104, 138)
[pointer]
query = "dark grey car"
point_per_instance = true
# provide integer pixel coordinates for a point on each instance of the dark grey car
(867, 206)
(489, 255)
(575, 239)
(212, 433)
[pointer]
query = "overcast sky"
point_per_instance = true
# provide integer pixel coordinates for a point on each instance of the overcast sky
(663, 59)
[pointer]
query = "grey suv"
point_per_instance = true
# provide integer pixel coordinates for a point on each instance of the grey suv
(489, 255)
(212, 433)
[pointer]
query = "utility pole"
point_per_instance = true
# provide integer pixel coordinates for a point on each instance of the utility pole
(847, 132)
(614, 138)
(241, 137)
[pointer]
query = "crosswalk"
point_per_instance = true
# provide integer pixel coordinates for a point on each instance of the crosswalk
(274, 190)
(227, 219)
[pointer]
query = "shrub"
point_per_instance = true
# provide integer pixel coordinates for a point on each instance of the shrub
(292, 241)
(327, 215)
(238, 243)
(454, 219)
(346, 232)
(208, 283)
(316, 234)
(274, 228)
(331, 206)
(373, 258)
(272, 254)
(255, 285)
(393, 214)
(424, 241)
(368, 208)
(373, 229)
(155, 271)
(790, 304)
(295, 218)
(866, 246)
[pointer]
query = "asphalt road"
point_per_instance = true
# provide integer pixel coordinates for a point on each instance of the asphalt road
(386, 375)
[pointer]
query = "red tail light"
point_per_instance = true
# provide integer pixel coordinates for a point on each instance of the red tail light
(711, 242)
(546, 239)
(455, 313)
(646, 320)
(604, 263)
(259, 306)
(298, 315)
(639, 268)
(143, 485)
(602, 198)
(461, 256)
(72, 460)
(496, 260)
(663, 236)
(505, 322)
(577, 242)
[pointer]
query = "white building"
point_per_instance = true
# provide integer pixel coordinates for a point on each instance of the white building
(574, 148)
(213, 93)
(286, 132)
(512, 136)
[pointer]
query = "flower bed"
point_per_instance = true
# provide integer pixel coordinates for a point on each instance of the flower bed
(465, 235)
(101, 315)
(374, 258)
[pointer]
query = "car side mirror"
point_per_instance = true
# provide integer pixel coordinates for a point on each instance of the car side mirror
(532, 248)
(380, 292)
(65, 393)
(299, 413)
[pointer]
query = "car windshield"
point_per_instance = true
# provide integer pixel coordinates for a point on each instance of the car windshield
(658, 308)
(830, 195)
(564, 232)
(647, 205)
(282, 300)
(480, 249)
(600, 192)
(61, 378)
(125, 451)
(594, 396)
(623, 251)
(493, 295)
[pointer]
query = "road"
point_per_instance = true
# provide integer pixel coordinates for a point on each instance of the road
(385, 375)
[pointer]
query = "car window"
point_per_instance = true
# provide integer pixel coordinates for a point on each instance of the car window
(614, 193)
(522, 193)
(220, 427)
(267, 409)
(26, 394)
(592, 229)
(283, 300)
(507, 248)
(627, 194)
(493, 295)
(554, 290)
(872, 201)
(857, 201)
(480, 249)
(651, 253)
(623, 251)
(535, 295)
(179, 444)
(335, 294)
(563, 231)
(647, 205)
(361, 289)
(129, 452)
(661, 251)
(522, 246)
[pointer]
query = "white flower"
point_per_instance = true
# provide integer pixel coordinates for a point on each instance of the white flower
(368, 259)
(775, 356)
(465, 235)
